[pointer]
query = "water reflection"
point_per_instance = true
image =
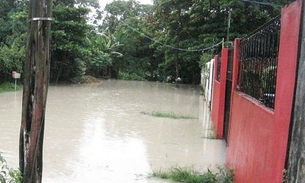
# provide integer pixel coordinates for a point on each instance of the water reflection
(97, 133)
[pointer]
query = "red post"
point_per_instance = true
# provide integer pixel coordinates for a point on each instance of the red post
(235, 65)
(219, 93)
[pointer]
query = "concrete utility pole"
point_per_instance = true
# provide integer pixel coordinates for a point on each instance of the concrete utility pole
(296, 157)
(36, 71)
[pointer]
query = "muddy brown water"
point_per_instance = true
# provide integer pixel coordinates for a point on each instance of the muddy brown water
(104, 133)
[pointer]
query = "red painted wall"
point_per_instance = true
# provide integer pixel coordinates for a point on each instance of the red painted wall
(219, 93)
(258, 136)
(250, 153)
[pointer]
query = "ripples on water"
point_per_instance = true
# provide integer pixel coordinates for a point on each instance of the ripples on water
(98, 133)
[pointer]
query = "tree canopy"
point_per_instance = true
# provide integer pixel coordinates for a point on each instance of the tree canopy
(129, 40)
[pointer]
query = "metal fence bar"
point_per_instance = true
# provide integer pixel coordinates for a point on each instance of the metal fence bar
(258, 63)
(218, 67)
(230, 65)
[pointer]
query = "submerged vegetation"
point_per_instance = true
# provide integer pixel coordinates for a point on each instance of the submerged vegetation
(171, 115)
(7, 174)
(189, 175)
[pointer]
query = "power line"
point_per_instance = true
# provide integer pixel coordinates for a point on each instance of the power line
(264, 3)
(169, 46)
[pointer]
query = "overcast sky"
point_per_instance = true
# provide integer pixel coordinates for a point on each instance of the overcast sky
(104, 2)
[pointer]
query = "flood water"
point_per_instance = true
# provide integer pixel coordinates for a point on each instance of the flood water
(105, 133)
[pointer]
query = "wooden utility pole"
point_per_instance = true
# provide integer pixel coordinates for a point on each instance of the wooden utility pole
(36, 71)
(296, 158)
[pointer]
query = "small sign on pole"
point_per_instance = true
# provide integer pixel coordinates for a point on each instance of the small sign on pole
(16, 76)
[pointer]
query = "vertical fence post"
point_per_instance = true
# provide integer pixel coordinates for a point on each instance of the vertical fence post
(235, 64)
(222, 92)
(234, 76)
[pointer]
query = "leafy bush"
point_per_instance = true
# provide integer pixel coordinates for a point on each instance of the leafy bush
(11, 59)
(7, 86)
(8, 175)
(97, 62)
(189, 175)
(205, 58)
(130, 76)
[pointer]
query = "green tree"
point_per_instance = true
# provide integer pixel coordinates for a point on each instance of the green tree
(13, 18)
(69, 44)
(126, 20)
(193, 25)
(137, 53)
(118, 11)
(174, 17)
(103, 49)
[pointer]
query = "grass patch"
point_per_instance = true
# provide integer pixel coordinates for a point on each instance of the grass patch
(7, 86)
(161, 174)
(170, 115)
(189, 175)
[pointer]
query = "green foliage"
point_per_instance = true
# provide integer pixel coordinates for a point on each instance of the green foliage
(103, 50)
(205, 58)
(69, 45)
(99, 61)
(118, 11)
(93, 3)
(12, 41)
(133, 39)
(186, 175)
(225, 175)
(189, 175)
(7, 86)
(10, 60)
(120, 19)
(170, 115)
(161, 174)
(8, 175)
(130, 76)
(200, 24)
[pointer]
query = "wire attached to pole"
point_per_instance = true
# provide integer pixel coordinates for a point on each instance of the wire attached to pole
(172, 47)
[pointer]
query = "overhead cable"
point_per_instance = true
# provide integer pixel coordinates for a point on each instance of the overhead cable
(172, 47)
(264, 3)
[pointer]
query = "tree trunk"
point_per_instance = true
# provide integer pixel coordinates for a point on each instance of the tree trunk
(36, 70)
